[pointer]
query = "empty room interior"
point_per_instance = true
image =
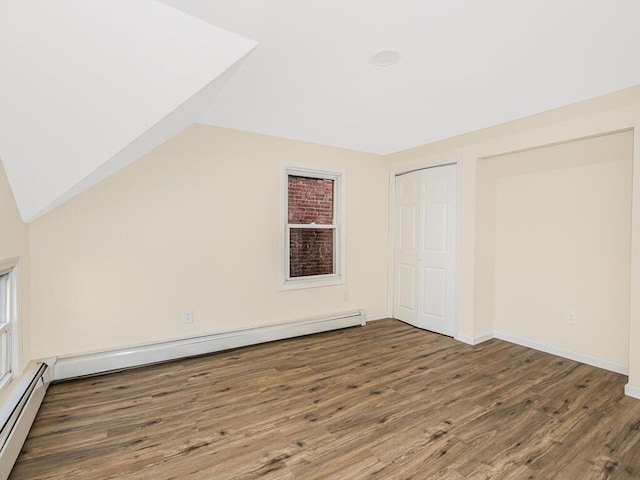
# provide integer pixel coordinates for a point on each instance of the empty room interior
(319, 240)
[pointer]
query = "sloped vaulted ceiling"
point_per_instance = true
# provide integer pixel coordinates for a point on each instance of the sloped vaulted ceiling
(89, 85)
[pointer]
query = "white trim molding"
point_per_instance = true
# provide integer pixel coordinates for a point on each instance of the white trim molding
(101, 362)
(561, 352)
(632, 391)
(474, 340)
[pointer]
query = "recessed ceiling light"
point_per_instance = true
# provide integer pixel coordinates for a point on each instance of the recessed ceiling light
(385, 57)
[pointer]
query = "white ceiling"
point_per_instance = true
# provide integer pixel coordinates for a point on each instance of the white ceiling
(466, 65)
(88, 86)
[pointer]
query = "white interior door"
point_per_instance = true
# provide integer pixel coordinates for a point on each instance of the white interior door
(406, 247)
(425, 249)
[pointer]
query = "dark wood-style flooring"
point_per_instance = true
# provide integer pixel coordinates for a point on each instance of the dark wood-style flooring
(385, 401)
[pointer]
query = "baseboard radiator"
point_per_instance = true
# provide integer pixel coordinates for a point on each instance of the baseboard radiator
(102, 362)
(19, 411)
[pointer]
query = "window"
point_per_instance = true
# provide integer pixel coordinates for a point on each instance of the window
(313, 227)
(8, 311)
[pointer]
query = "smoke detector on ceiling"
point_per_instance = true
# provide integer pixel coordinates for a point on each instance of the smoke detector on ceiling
(385, 57)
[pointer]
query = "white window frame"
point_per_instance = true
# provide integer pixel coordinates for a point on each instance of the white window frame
(11, 325)
(339, 178)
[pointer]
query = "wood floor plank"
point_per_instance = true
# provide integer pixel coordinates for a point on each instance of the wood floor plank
(385, 401)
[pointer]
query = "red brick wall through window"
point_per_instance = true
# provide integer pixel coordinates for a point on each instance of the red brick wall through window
(310, 249)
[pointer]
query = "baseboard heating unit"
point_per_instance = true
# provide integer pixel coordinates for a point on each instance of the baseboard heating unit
(101, 362)
(20, 406)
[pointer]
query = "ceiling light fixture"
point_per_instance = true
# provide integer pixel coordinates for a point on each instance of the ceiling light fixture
(385, 57)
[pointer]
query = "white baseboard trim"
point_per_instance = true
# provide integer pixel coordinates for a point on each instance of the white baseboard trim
(632, 391)
(474, 340)
(561, 352)
(465, 339)
(372, 317)
(91, 364)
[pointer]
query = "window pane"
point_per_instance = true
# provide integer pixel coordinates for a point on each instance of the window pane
(4, 354)
(311, 252)
(310, 200)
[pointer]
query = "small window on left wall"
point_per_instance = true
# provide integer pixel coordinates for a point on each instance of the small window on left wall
(8, 316)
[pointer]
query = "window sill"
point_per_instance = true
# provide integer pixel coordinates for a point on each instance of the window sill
(325, 281)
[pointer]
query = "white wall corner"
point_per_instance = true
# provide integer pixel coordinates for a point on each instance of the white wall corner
(474, 340)
(483, 338)
(632, 391)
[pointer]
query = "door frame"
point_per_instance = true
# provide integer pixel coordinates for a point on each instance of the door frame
(457, 161)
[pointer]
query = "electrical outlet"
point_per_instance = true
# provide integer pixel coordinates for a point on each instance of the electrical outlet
(187, 316)
(572, 318)
(346, 296)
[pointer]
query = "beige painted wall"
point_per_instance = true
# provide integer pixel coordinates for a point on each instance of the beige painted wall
(616, 112)
(562, 237)
(117, 265)
(14, 243)
(195, 224)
